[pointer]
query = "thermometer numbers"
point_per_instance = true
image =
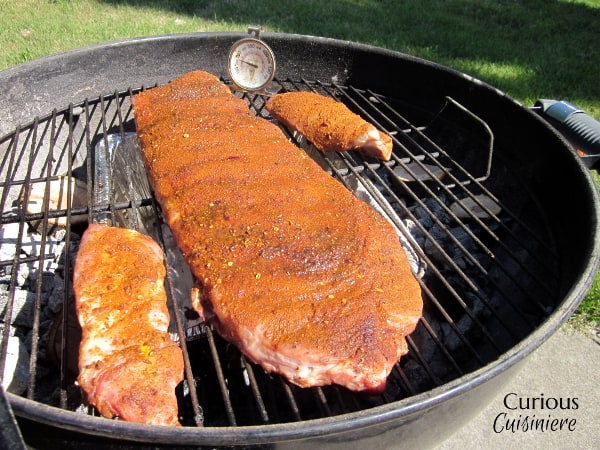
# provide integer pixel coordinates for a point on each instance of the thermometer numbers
(251, 64)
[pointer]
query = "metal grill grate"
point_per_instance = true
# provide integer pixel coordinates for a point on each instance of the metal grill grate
(487, 271)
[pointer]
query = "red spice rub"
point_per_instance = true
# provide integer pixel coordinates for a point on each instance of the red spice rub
(329, 124)
(303, 277)
(128, 365)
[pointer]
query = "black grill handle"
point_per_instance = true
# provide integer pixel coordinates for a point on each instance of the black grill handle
(581, 129)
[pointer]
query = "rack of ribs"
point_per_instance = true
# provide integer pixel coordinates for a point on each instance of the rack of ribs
(128, 364)
(328, 124)
(304, 278)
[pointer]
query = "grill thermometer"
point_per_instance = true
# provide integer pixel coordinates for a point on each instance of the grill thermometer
(251, 63)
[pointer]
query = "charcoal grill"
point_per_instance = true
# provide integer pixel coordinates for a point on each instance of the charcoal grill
(496, 282)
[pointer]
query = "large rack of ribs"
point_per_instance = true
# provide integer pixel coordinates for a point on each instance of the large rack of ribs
(304, 278)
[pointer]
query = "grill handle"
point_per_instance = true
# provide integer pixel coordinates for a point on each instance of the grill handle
(581, 129)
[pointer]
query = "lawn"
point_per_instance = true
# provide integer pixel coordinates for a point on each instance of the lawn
(530, 49)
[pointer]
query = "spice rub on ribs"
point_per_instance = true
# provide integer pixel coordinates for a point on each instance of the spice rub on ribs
(329, 124)
(128, 364)
(300, 275)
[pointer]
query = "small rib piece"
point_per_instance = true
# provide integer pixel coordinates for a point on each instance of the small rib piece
(329, 124)
(128, 364)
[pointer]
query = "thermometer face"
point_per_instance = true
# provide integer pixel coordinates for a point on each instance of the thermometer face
(251, 64)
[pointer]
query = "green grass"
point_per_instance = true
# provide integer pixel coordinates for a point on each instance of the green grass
(530, 49)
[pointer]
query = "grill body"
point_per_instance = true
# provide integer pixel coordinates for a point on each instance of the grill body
(518, 149)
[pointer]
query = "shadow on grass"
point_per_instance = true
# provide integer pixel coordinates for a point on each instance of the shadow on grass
(530, 49)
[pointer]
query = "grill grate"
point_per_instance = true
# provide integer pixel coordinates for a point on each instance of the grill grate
(488, 278)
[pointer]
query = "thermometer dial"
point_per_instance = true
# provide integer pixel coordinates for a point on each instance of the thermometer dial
(251, 64)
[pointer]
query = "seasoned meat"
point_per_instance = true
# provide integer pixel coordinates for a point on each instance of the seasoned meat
(329, 124)
(304, 278)
(128, 365)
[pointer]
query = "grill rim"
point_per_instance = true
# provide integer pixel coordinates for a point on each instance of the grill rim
(402, 409)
